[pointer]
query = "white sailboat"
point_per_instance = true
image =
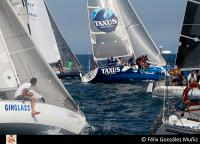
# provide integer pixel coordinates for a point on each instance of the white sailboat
(40, 24)
(22, 60)
(157, 89)
(67, 56)
(116, 31)
(181, 116)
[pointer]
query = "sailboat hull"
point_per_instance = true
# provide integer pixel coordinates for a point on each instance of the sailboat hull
(16, 118)
(120, 74)
(172, 91)
(168, 129)
(67, 73)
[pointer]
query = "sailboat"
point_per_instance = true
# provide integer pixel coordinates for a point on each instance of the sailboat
(117, 32)
(181, 116)
(21, 60)
(157, 88)
(40, 24)
(72, 66)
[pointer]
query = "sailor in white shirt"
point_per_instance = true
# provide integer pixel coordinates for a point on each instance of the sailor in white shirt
(119, 62)
(24, 93)
(192, 77)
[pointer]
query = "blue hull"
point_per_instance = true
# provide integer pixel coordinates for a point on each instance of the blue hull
(116, 74)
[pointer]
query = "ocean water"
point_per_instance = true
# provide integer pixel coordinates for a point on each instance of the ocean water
(113, 109)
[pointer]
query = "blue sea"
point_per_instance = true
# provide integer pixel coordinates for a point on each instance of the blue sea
(113, 109)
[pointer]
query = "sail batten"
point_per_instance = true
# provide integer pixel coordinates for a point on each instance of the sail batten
(195, 1)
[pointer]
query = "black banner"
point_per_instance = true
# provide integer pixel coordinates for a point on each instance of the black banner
(93, 139)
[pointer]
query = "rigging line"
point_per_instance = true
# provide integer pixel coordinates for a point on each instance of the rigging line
(193, 1)
(196, 39)
(21, 51)
(17, 35)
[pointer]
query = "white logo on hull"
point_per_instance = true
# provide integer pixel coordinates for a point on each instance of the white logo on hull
(112, 70)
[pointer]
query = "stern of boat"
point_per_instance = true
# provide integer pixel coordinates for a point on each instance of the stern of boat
(88, 77)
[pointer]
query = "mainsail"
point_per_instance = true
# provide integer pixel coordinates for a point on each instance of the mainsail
(188, 56)
(28, 61)
(65, 52)
(41, 30)
(128, 38)
(107, 30)
(140, 39)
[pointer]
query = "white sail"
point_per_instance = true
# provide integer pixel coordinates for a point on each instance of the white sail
(108, 32)
(19, 7)
(29, 62)
(41, 30)
(8, 78)
(140, 39)
(65, 52)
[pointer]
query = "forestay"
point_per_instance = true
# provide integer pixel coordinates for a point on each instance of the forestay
(189, 44)
(140, 39)
(28, 61)
(65, 52)
(41, 30)
(108, 32)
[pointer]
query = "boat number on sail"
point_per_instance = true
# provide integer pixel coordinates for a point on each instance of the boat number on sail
(112, 70)
(17, 107)
(32, 10)
(105, 20)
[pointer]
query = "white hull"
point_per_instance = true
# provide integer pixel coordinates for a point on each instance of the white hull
(171, 91)
(15, 114)
(181, 125)
(167, 129)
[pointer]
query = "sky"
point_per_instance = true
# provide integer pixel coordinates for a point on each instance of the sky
(162, 19)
